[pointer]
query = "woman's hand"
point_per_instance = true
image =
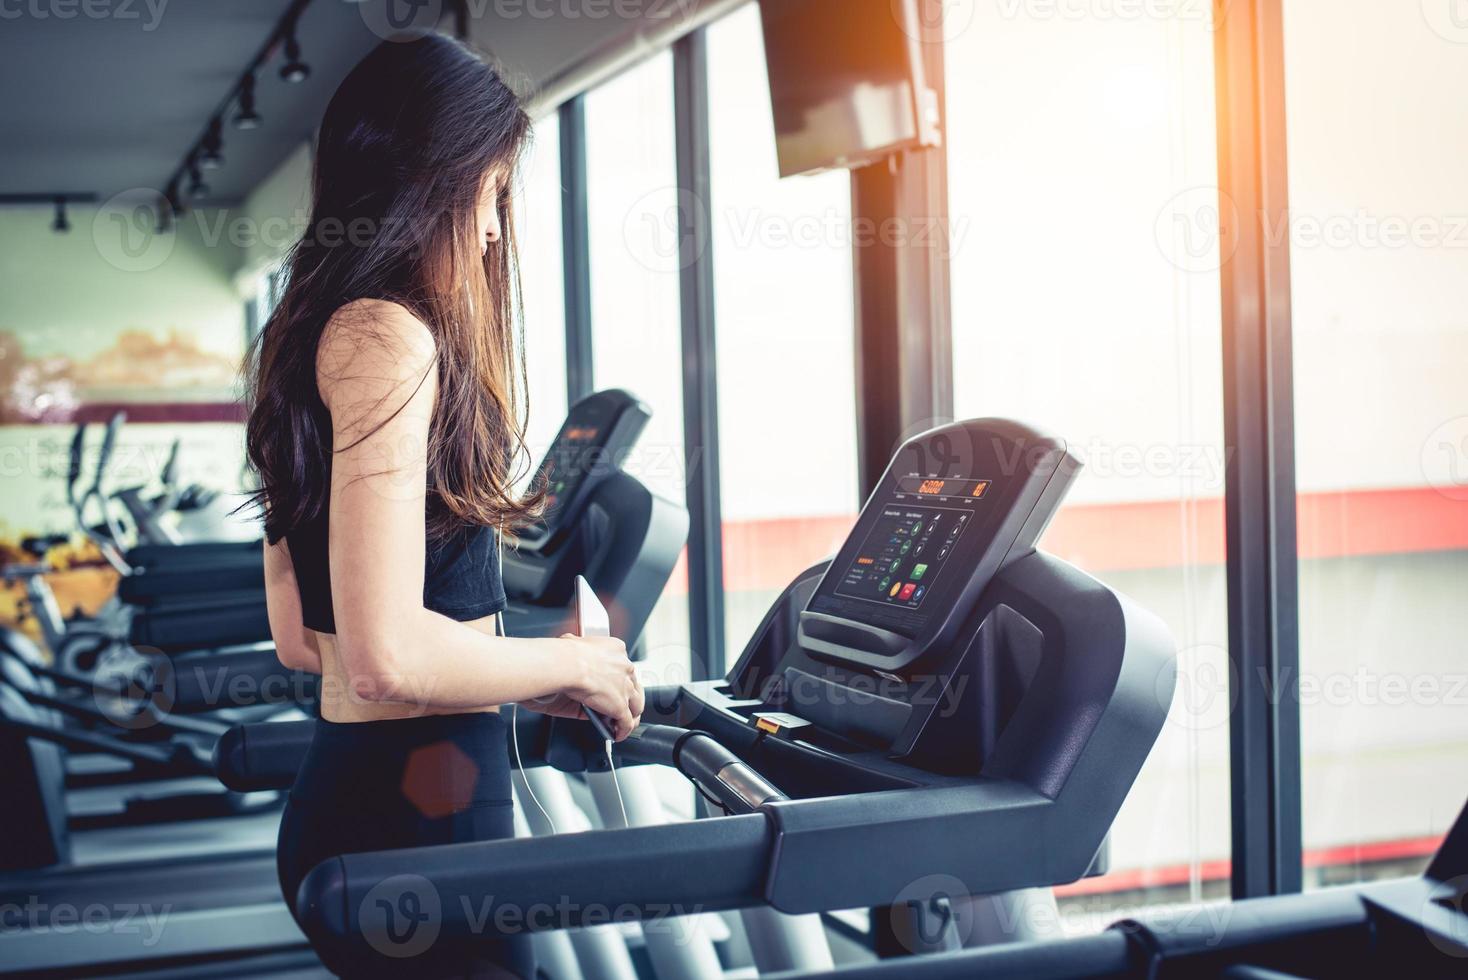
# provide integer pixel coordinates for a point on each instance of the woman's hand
(606, 682)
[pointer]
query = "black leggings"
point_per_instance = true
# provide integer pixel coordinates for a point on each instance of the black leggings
(369, 786)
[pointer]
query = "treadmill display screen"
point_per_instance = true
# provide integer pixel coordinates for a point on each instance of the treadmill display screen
(917, 544)
(903, 554)
(575, 453)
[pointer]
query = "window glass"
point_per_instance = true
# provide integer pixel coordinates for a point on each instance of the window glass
(1082, 183)
(783, 305)
(636, 336)
(1378, 239)
(537, 216)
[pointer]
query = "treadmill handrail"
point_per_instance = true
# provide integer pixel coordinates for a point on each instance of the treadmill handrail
(537, 884)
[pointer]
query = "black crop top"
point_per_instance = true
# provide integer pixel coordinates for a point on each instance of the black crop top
(461, 575)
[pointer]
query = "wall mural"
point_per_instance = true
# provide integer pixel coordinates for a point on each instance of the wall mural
(173, 386)
(139, 367)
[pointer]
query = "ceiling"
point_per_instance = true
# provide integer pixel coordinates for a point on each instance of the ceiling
(105, 104)
(110, 103)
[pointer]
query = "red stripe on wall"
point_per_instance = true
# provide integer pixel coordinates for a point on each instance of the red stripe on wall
(764, 555)
(1347, 855)
(161, 412)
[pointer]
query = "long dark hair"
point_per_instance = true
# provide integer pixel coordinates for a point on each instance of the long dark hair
(403, 151)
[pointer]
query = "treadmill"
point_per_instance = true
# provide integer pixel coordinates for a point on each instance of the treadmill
(940, 717)
(214, 882)
(1407, 927)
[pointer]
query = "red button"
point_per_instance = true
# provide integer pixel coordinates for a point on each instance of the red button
(907, 591)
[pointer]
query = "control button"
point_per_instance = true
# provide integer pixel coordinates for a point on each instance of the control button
(896, 587)
(921, 590)
(907, 591)
(918, 571)
(886, 581)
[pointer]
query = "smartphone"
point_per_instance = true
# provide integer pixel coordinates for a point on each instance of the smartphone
(591, 615)
(591, 620)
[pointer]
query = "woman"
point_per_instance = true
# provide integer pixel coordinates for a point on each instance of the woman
(386, 431)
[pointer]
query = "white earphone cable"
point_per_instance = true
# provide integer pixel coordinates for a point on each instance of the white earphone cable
(515, 705)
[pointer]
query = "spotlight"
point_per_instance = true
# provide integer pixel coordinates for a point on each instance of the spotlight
(294, 69)
(61, 225)
(197, 187)
(247, 117)
(212, 158)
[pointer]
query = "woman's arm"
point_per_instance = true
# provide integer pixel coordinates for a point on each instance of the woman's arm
(295, 646)
(376, 371)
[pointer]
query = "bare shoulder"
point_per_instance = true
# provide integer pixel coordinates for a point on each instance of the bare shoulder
(373, 344)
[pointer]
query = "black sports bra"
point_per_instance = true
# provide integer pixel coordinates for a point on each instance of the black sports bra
(461, 575)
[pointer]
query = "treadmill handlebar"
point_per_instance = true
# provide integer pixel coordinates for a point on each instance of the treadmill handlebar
(704, 760)
(522, 885)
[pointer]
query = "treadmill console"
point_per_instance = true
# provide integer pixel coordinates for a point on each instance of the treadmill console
(956, 504)
(598, 432)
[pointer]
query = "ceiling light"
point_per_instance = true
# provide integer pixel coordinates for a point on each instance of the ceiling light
(197, 187)
(212, 156)
(247, 117)
(294, 69)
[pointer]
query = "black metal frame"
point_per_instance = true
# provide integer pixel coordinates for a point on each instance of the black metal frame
(1259, 496)
(700, 373)
(904, 334)
(576, 250)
